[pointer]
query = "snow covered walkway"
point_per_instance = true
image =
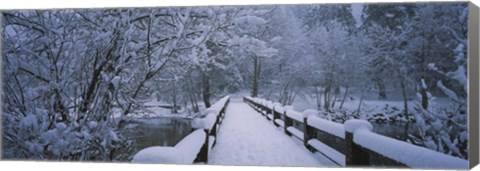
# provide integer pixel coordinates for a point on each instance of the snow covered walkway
(247, 138)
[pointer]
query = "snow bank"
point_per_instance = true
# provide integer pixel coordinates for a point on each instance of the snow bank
(295, 115)
(327, 126)
(411, 155)
(329, 152)
(184, 152)
(295, 132)
(352, 125)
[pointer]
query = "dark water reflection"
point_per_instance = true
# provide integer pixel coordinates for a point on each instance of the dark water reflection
(156, 131)
(395, 130)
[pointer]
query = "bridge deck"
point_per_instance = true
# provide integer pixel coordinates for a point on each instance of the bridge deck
(245, 138)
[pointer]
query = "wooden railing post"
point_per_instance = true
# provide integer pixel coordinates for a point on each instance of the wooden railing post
(309, 133)
(355, 154)
(267, 111)
(202, 156)
(213, 131)
(287, 123)
(262, 109)
(274, 114)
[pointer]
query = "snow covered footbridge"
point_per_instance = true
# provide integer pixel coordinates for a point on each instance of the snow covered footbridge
(260, 132)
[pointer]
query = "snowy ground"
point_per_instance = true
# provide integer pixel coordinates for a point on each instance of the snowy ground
(247, 138)
(153, 109)
(370, 106)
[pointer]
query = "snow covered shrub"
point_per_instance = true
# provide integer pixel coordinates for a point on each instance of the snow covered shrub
(35, 137)
(444, 128)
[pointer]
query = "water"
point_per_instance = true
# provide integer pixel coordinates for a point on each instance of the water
(156, 131)
(394, 130)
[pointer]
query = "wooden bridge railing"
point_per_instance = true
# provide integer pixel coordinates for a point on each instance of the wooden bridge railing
(195, 147)
(352, 143)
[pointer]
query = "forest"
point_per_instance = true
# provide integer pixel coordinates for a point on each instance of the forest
(71, 77)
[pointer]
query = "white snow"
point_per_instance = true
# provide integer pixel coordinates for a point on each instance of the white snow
(278, 107)
(327, 126)
(270, 116)
(113, 136)
(206, 122)
(424, 85)
(451, 94)
(308, 112)
(29, 121)
(166, 155)
(184, 152)
(247, 138)
(411, 155)
(297, 133)
(389, 15)
(217, 106)
(354, 124)
(295, 115)
(210, 118)
(250, 20)
(461, 76)
(331, 153)
(92, 124)
(280, 122)
(357, 11)
(116, 81)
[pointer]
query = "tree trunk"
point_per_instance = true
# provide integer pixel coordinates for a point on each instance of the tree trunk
(382, 94)
(326, 98)
(334, 100)
(148, 43)
(335, 94)
(423, 92)
(405, 98)
(206, 90)
(174, 98)
(405, 135)
(192, 95)
(319, 98)
(344, 97)
(256, 75)
(360, 103)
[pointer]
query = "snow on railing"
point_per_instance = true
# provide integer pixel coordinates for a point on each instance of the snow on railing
(351, 143)
(195, 146)
(408, 154)
(327, 126)
(184, 152)
(213, 115)
(295, 115)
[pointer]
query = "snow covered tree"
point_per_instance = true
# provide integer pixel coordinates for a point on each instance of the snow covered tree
(62, 66)
(445, 129)
(248, 42)
(285, 76)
